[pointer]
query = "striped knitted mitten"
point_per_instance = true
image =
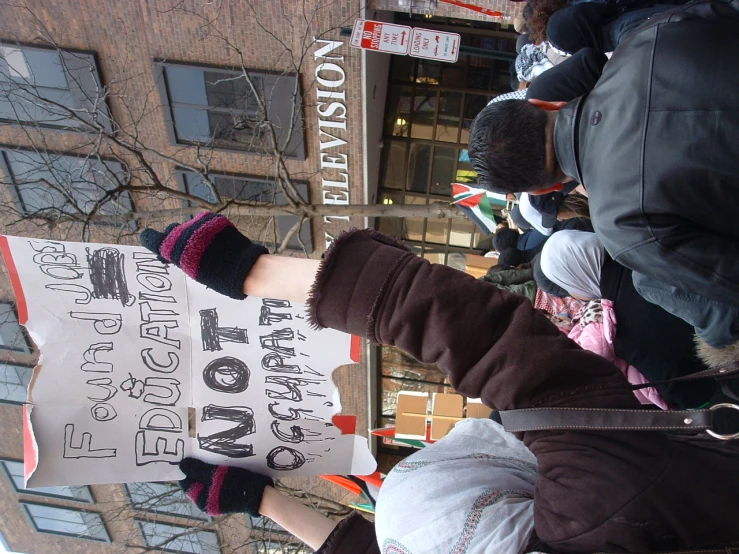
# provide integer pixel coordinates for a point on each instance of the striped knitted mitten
(209, 249)
(221, 489)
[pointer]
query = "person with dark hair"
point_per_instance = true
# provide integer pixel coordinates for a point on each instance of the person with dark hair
(503, 135)
(536, 14)
(662, 200)
(479, 489)
(505, 238)
(513, 257)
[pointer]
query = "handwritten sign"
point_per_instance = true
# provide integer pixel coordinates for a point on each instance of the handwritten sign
(141, 367)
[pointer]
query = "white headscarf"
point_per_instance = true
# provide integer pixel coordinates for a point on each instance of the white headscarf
(470, 492)
(573, 260)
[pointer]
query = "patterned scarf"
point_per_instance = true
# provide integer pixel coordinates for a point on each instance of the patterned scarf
(470, 493)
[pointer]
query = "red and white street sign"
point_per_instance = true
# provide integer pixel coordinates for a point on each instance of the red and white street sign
(435, 45)
(381, 37)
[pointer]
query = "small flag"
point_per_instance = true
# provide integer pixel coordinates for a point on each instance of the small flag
(478, 205)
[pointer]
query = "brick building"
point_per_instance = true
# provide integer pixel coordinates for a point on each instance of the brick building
(156, 100)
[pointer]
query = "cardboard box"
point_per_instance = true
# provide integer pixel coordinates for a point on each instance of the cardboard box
(411, 413)
(447, 411)
(476, 409)
(477, 266)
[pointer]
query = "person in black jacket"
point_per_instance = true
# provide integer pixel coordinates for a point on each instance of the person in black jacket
(655, 147)
(652, 340)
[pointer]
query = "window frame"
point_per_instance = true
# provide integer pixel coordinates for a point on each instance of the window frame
(36, 528)
(298, 142)
(141, 522)
(153, 510)
(303, 188)
(92, 58)
(7, 401)
(27, 346)
(14, 184)
(34, 492)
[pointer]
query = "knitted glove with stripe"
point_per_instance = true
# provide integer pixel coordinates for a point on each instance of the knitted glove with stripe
(210, 249)
(222, 489)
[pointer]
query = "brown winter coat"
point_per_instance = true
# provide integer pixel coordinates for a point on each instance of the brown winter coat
(597, 491)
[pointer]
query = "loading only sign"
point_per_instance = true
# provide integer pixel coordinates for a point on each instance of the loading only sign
(435, 45)
(402, 40)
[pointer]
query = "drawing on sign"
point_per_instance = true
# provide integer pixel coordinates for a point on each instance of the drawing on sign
(289, 458)
(212, 334)
(158, 439)
(227, 374)
(163, 391)
(224, 442)
(83, 448)
(268, 317)
(92, 364)
(112, 398)
(108, 276)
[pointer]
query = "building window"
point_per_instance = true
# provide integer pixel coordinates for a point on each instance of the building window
(268, 231)
(14, 471)
(12, 336)
(162, 498)
(66, 522)
(429, 111)
(52, 185)
(400, 372)
(173, 538)
(14, 381)
(219, 108)
(49, 87)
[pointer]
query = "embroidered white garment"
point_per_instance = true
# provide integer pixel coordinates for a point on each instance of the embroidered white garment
(470, 493)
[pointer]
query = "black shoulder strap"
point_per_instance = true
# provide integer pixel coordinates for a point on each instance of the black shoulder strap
(593, 419)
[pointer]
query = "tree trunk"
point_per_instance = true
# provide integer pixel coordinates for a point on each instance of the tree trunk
(435, 210)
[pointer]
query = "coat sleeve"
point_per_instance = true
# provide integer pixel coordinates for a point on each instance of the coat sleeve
(494, 345)
(353, 535)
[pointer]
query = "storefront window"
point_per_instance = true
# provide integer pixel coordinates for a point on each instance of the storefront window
(430, 109)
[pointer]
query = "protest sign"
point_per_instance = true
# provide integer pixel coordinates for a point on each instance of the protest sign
(141, 366)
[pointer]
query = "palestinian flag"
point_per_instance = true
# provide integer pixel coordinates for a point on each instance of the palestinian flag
(478, 205)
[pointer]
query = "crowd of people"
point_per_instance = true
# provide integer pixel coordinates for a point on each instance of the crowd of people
(628, 275)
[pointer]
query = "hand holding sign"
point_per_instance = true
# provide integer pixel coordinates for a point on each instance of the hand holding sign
(130, 346)
(209, 249)
(220, 490)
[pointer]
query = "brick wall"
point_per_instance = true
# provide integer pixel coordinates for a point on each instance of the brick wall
(126, 37)
(511, 9)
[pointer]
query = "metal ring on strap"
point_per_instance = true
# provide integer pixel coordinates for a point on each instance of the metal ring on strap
(719, 436)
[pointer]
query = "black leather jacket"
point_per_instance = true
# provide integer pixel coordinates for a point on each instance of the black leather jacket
(656, 144)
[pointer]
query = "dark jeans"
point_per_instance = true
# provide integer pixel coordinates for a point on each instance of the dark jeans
(715, 322)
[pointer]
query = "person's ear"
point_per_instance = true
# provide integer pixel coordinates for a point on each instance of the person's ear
(547, 106)
(547, 190)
